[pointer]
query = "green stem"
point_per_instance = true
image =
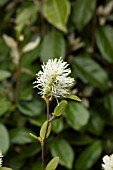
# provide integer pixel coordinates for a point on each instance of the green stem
(47, 104)
(43, 142)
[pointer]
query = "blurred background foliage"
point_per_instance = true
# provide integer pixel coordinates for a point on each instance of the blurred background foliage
(32, 31)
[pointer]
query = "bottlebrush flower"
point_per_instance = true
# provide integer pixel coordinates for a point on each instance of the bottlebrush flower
(108, 162)
(53, 80)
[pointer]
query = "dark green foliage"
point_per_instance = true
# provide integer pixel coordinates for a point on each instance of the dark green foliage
(31, 32)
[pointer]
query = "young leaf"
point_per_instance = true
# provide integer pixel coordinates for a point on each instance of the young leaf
(4, 74)
(31, 45)
(53, 163)
(57, 12)
(11, 43)
(60, 108)
(73, 97)
(43, 129)
(36, 137)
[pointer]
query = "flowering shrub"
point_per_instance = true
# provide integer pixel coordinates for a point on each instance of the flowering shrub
(53, 82)
(78, 32)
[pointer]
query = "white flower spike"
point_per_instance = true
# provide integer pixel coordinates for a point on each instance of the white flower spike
(53, 80)
(1, 158)
(108, 162)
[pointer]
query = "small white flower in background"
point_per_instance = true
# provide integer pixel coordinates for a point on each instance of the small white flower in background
(1, 158)
(108, 162)
(53, 80)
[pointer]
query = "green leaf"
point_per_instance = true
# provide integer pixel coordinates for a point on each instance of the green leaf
(90, 71)
(5, 168)
(20, 136)
(3, 2)
(109, 103)
(96, 124)
(57, 125)
(57, 12)
(31, 108)
(26, 92)
(76, 115)
(37, 166)
(77, 138)
(52, 165)
(104, 39)
(4, 74)
(5, 106)
(16, 162)
(53, 46)
(4, 139)
(43, 129)
(73, 97)
(60, 108)
(27, 61)
(39, 121)
(24, 15)
(82, 12)
(107, 136)
(3, 48)
(62, 149)
(32, 150)
(89, 156)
